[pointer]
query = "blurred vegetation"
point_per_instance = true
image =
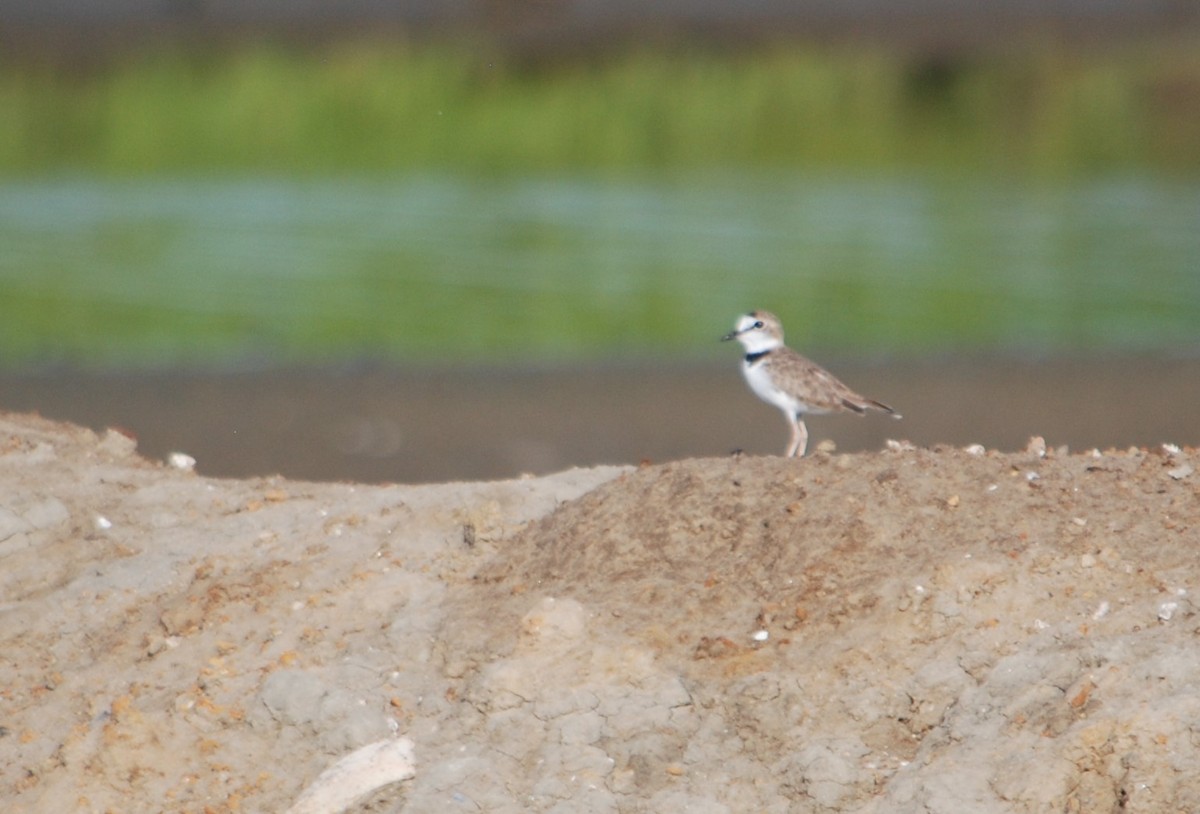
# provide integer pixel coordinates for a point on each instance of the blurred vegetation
(372, 106)
(124, 287)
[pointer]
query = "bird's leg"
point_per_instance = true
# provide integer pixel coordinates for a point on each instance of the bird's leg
(799, 442)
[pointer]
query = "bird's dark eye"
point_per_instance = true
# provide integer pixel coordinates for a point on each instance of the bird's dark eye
(758, 324)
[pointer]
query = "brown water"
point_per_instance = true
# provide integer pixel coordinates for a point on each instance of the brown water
(380, 425)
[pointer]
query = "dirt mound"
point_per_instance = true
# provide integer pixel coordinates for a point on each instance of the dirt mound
(746, 544)
(870, 632)
(911, 630)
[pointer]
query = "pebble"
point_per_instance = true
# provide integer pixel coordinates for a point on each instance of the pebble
(181, 461)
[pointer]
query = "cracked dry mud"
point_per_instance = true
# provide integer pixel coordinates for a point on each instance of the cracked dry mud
(908, 630)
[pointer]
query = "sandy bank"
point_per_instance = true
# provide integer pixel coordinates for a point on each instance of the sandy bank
(907, 630)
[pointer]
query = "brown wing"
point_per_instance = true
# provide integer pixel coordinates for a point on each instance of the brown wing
(827, 392)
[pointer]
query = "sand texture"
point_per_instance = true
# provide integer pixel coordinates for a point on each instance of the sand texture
(909, 630)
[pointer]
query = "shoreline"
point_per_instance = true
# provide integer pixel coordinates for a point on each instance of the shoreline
(381, 424)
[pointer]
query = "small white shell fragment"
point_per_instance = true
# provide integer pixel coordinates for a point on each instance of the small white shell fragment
(1181, 472)
(1032, 476)
(181, 461)
(1166, 610)
(356, 775)
(899, 446)
(760, 635)
(1101, 610)
(975, 449)
(1079, 521)
(1171, 449)
(103, 523)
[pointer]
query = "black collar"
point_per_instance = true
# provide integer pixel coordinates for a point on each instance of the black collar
(751, 358)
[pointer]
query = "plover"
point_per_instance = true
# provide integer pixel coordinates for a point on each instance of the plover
(780, 376)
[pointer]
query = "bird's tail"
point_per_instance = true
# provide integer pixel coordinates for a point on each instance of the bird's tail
(860, 407)
(879, 405)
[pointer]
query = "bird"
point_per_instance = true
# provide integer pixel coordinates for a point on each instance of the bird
(796, 385)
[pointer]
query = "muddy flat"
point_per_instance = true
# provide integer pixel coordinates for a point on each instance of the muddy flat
(426, 425)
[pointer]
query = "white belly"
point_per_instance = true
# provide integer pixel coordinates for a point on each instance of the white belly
(759, 378)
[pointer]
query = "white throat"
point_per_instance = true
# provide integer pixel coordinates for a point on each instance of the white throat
(758, 340)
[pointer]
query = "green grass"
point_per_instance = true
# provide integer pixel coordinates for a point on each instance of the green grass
(368, 107)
